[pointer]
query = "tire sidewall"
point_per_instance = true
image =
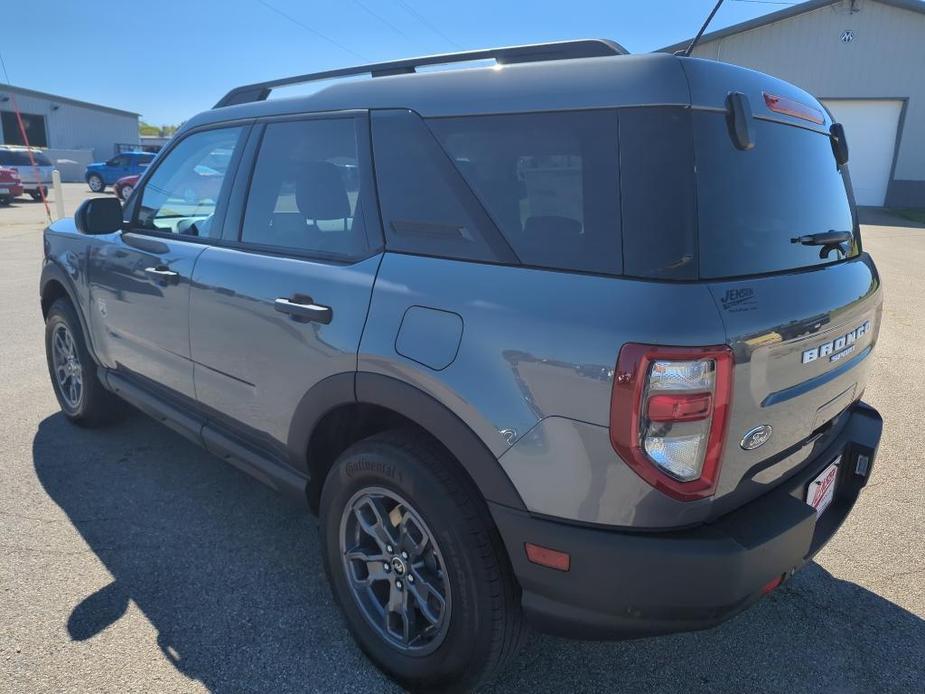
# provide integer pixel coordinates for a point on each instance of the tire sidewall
(98, 178)
(63, 313)
(395, 469)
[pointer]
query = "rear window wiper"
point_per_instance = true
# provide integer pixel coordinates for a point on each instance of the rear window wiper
(828, 238)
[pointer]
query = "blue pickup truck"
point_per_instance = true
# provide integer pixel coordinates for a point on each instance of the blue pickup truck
(102, 174)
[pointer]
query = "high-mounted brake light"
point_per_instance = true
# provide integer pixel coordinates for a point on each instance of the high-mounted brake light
(668, 415)
(794, 108)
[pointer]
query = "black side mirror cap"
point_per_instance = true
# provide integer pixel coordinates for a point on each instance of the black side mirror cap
(739, 120)
(839, 143)
(99, 216)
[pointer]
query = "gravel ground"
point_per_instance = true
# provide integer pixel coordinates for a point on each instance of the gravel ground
(132, 561)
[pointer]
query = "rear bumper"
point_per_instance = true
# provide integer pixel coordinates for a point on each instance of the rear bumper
(13, 190)
(627, 585)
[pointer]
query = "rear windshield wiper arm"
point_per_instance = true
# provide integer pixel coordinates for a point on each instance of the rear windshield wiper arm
(828, 238)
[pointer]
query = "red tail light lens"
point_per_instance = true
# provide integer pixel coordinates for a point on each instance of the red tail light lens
(668, 415)
(791, 107)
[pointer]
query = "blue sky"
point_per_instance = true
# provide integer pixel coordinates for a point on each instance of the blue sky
(170, 59)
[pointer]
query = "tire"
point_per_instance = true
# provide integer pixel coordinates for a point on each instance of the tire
(124, 192)
(6, 200)
(479, 626)
(82, 397)
(37, 194)
(96, 183)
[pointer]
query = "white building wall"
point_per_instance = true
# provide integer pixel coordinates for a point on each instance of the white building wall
(884, 60)
(77, 127)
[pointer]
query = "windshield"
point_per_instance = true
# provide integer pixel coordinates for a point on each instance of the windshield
(752, 203)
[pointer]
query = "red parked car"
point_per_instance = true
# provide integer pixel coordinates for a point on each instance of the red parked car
(124, 186)
(10, 185)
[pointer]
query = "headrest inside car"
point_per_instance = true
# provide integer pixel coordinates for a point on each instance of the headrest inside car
(321, 192)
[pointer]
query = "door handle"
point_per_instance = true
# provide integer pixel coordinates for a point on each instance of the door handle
(162, 274)
(303, 309)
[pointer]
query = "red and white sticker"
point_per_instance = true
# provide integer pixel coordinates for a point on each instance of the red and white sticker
(821, 490)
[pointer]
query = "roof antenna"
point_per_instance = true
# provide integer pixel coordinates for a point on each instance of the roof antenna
(686, 52)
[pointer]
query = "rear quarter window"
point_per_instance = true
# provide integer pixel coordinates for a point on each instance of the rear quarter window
(427, 208)
(549, 181)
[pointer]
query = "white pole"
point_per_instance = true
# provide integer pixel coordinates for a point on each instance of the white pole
(59, 194)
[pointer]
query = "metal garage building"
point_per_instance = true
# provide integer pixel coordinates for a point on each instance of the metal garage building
(73, 131)
(866, 60)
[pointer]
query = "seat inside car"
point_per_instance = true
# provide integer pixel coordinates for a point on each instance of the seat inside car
(320, 196)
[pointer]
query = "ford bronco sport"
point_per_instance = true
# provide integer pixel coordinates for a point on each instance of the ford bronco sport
(578, 340)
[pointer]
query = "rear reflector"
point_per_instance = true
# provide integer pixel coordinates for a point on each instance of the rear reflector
(771, 585)
(551, 558)
(680, 407)
(791, 107)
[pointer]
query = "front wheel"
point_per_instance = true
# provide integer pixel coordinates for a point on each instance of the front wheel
(80, 394)
(416, 564)
(95, 181)
(124, 192)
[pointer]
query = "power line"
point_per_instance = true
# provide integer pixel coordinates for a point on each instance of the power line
(768, 2)
(3, 65)
(382, 19)
(311, 30)
(423, 20)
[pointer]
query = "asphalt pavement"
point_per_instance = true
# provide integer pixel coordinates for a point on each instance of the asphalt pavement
(133, 561)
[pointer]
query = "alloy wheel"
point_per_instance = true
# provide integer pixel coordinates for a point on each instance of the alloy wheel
(66, 362)
(395, 570)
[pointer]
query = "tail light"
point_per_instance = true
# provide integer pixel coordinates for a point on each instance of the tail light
(668, 414)
(794, 108)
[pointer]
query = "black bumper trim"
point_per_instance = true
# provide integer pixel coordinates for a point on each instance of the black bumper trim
(627, 585)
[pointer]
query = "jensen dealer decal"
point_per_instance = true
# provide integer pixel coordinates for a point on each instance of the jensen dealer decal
(838, 348)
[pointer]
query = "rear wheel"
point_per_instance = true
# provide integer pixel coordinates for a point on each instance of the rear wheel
(95, 181)
(416, 565)
(39, 193)
(80, 394)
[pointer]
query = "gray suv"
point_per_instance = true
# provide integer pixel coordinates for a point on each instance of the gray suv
(577, 340)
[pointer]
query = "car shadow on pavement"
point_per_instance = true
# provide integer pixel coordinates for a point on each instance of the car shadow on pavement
(229, 575)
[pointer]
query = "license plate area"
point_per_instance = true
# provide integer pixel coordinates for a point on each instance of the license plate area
(821, 490)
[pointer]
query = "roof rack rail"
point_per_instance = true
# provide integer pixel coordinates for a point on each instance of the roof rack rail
(559, 50)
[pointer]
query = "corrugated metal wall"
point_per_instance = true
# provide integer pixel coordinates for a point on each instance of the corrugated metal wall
(884, 59)
(78, 127)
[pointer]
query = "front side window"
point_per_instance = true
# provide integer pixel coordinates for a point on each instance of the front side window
(306, 191)
(181, 195)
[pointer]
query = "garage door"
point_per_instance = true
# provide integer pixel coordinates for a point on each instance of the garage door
(870, 128)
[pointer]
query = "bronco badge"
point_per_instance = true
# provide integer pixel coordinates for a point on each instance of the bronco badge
(838, 348)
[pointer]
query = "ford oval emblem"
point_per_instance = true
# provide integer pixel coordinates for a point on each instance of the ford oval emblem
(756, 437)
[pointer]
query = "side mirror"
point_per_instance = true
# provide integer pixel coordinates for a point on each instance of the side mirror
(839, 143)
(99, 216)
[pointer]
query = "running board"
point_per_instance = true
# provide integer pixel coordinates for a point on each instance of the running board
(277, 476)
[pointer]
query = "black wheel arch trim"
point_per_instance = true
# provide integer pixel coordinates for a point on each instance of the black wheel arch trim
(465, 445)
(364, 387)
(52, 272)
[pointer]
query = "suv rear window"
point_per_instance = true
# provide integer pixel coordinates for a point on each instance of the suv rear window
(19, 157)
(751, 203)
(549, 181)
